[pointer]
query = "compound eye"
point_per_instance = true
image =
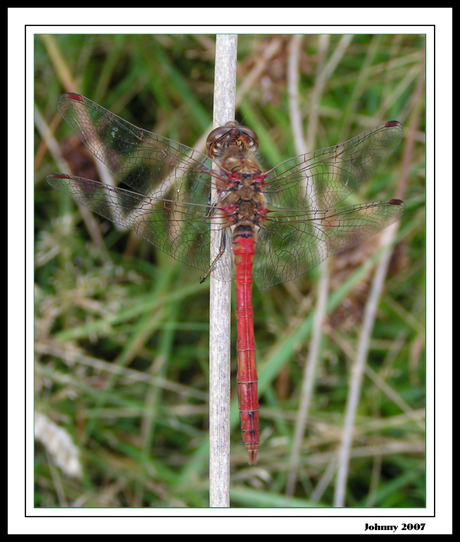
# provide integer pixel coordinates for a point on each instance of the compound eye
(216, 134)
(250, 133)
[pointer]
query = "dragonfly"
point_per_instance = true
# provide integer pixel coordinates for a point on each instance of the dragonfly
(278, 224)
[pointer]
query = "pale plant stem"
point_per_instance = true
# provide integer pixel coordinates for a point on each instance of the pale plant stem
(369, 315)
(309, 379)
(293, 93)
(325, 70)
(323, 75)
(57, 59)
(53, 147)
(65, 76)
(359, 367)
(309, 371)
(220, 302)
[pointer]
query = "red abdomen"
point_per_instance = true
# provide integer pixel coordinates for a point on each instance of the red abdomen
(243, 255)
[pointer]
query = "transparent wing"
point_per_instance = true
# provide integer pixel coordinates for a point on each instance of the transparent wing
(180, 229)
(295, 242)
(323, 178)
(170, 207)
(150, 164)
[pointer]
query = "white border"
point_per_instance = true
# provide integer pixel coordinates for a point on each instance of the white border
(372, 19)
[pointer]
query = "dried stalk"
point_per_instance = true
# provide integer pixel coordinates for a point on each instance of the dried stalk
(220, 302)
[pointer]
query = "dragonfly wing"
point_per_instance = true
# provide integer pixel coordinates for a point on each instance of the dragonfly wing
(150, 164)
(290, 245)
(181, 230)
(323, 178)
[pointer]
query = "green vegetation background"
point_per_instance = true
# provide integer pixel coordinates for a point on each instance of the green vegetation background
(121, 329)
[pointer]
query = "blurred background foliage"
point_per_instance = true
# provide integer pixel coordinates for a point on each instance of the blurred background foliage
(121, 330)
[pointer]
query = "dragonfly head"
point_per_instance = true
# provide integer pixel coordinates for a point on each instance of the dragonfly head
(232, 136)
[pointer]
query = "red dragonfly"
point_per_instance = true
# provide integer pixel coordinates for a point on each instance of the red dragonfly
(279, 223)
